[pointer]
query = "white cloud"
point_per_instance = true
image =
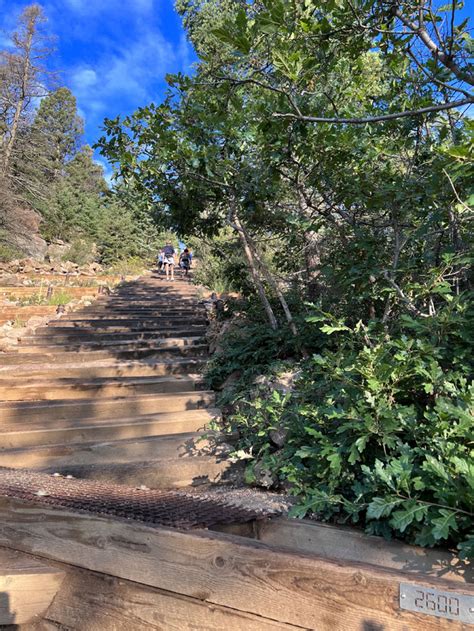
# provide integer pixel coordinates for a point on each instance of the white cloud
(84, 78)
(126, 52)
(129, 78)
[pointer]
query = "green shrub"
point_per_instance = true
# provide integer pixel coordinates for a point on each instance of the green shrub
(379, 428)
(9, 253)
(132, 265)
(82, 251)
(42, 299)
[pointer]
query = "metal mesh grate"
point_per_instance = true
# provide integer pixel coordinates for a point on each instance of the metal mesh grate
(177, 509)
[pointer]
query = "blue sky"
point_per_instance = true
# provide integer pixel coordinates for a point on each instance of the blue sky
(112, 54)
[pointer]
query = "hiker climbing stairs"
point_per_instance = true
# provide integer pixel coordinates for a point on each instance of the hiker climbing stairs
(125, 370)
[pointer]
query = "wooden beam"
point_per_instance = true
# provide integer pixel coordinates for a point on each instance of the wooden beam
(303, 590)
(27, 587)
(102, 603)
(350, 545)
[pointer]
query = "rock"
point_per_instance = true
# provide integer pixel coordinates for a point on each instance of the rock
(263, 476)
(20, 229)
(231, 379)
(285, 381)
(57, 250)
(278, 436)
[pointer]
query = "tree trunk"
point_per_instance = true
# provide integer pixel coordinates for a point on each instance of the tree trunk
(311, 253)
(27, 47)
(235, 223)
(271, 281)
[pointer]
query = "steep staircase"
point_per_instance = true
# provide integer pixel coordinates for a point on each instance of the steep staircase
(101, 529)
(114, 391)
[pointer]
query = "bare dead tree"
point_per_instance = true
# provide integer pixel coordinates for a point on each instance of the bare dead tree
(22, 78)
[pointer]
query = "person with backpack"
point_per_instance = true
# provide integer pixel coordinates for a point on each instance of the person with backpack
(168, 260)
(185, 261)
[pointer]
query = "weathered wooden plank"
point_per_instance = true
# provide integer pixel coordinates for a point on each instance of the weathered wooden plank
(102, 603)
(69, 388)
(350, 545)
(163, 473)
(27, 587)
(225, 570)
(26, 412)
(180, 445)
(105, 429)
(110, 368)
(52, 356)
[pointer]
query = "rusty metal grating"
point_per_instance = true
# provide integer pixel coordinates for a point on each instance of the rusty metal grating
(175, 509)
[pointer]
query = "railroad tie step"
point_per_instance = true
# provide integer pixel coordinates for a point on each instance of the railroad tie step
(27, 587)
(113, 346)
(70, 356)
(162, 473)
(26, 412)
(88, 430)
(104, 368)
(183, 445)
(72, 388)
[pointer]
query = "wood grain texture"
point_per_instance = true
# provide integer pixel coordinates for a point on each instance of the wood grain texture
(27, 587)
(225, 570)
(102, 603)
(351, 545)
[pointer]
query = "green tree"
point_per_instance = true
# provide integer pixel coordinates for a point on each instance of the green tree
(56, 133)
(75, 204)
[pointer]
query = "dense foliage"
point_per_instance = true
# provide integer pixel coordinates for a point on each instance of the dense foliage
(320, 152)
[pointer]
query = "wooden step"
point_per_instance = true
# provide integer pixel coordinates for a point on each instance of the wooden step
(26, 412)
(179, 445)
(131, 323)
(27, 587)
(120, 313)
(162, 473)
(107, 368)
(114, 345)
(57, 326)
(46, 335)
(305, 590)
(70, 388)
(22, 356)
(88, 430)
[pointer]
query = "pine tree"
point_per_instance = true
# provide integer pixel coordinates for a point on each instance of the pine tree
(75, 205)
(56, 133)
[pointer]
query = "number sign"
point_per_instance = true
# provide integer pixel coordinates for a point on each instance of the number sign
(450, 605)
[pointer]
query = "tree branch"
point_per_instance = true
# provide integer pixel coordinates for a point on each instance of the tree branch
(376, 119)
(434, 49)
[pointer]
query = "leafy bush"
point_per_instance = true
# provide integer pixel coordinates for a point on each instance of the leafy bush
(42, 299)
(378, 430)
(9, 253)
(82, 251)
(132, 265)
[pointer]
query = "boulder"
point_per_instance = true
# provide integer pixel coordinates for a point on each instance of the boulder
(57, 250)
(20, 230)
